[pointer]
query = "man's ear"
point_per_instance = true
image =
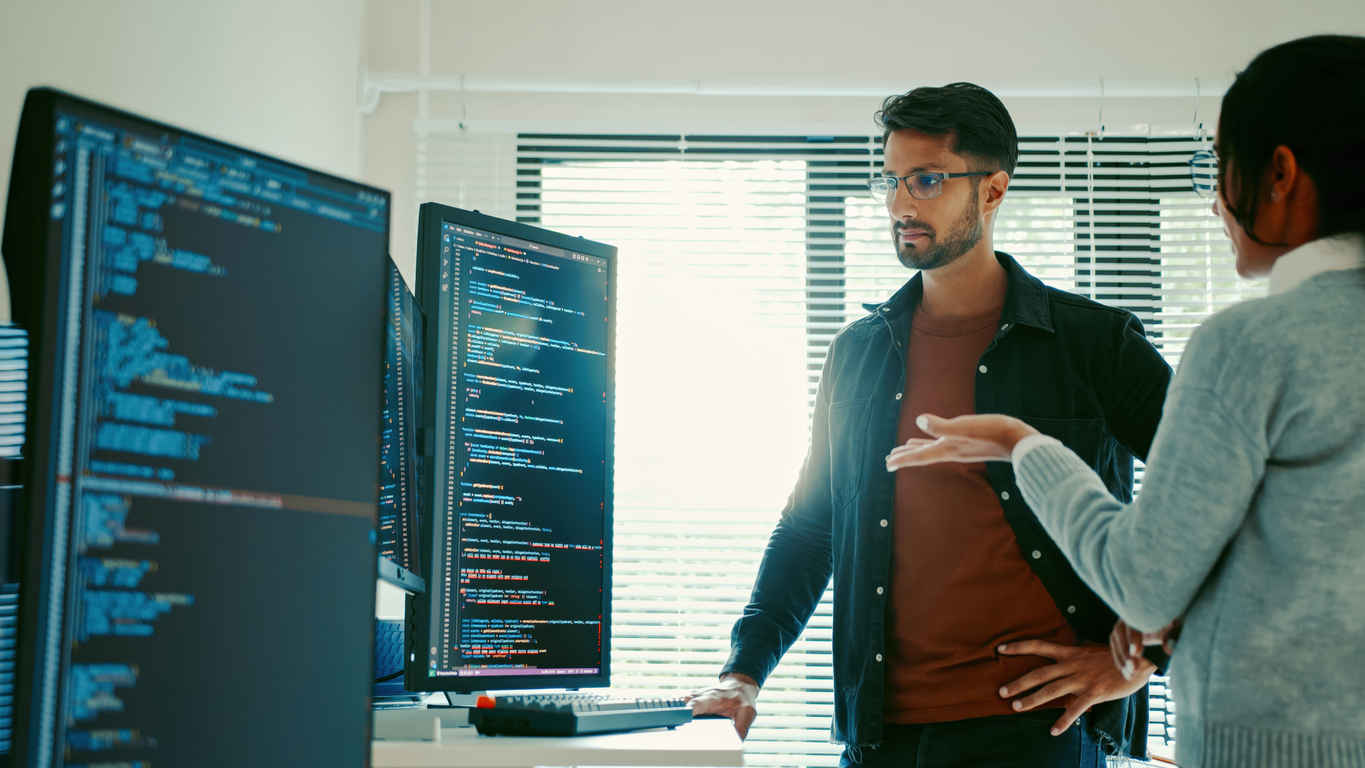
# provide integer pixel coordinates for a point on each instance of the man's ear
(993, 195)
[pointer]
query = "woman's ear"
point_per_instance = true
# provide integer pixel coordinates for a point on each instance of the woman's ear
(1289, 213)
(1284, 174)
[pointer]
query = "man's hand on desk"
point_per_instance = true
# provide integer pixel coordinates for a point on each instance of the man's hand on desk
(735, 697)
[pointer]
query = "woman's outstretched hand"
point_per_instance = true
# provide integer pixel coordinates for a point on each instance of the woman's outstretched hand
(966, 439)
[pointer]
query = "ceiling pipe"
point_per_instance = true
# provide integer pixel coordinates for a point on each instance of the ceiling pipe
(373, 85)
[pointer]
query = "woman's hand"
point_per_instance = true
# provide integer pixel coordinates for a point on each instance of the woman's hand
(965, 439)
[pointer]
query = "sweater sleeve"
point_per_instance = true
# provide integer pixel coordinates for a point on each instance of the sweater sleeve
(1148, 559)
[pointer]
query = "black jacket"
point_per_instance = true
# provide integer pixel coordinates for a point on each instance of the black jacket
(1074, 369)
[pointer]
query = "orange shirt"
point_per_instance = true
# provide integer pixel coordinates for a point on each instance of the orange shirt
(959, 583)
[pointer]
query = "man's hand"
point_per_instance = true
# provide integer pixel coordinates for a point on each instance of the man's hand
(735, 697)
(1126, 644)
(969, 439)
(1087, 672)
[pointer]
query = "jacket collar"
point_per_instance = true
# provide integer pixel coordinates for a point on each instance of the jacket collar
(1310, 259)
(1026, 300)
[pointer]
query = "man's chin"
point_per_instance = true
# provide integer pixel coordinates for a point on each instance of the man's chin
(912, 258)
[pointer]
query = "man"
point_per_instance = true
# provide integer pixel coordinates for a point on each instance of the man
(961, 634)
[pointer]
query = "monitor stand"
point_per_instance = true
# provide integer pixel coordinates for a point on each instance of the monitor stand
(459, 700)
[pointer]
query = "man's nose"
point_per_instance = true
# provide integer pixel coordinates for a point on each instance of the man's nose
(903, 205)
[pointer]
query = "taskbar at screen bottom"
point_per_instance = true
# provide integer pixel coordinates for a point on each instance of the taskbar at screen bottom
(516, 672)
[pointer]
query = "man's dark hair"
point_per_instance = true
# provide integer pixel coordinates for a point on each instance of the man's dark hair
(979, 124)
(1308, 95)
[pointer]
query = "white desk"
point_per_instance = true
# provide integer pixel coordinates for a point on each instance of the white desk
(707, 742)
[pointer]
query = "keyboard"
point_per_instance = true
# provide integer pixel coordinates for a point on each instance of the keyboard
(574, 714)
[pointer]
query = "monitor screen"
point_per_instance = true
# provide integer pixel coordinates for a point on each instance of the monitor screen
(202, 443)
(401, 464)
(520, 360)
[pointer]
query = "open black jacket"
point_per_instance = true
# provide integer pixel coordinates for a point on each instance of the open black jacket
(1074, 369)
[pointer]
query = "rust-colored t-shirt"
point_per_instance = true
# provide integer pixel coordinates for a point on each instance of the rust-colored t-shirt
(959, 584)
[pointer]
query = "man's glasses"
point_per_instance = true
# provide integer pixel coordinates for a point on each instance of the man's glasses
(1204, 173)
(922, 186)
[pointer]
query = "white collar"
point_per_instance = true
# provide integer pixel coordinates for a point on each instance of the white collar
(1323, 255)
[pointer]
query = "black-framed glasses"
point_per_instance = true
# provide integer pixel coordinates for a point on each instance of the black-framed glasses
(1204, 173)
(924, 185)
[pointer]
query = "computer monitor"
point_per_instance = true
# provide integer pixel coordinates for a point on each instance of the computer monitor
(519, 361)
(206, 328)
(401, 463)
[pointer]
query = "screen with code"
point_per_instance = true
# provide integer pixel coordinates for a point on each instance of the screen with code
(215, 446)
(402, 464)
(521, 474)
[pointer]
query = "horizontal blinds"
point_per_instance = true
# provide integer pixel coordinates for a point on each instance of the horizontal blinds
(740, 258)
(717, 245)
(474, 171)
(13, 391)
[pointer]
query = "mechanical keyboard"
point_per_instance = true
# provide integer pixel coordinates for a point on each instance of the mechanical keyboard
(574, 714)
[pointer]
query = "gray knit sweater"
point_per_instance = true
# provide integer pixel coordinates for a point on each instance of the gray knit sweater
(1250, 524)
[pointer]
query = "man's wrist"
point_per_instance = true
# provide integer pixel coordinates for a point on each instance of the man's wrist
(741, 677)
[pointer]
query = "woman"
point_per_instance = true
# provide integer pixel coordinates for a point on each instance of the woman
(1251, 520)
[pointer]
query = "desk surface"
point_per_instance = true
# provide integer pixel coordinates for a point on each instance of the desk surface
(704, 742)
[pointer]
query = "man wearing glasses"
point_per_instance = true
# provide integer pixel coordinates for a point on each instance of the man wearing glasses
(962, 637)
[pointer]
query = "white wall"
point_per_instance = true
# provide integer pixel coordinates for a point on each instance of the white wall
(279, 77)
(910, 39)
(909, 42)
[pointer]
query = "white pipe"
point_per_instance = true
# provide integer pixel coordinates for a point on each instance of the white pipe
(374, 84)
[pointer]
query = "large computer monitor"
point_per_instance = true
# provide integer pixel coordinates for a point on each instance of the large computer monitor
(202, 446)
(519, 361)
(402, 464)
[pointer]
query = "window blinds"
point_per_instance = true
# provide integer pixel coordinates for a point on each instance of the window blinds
(740, 258)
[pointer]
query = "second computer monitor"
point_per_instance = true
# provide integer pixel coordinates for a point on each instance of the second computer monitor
(401, 462)
(519, 356)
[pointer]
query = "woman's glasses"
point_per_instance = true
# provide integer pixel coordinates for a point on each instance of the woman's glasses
(1204, 173)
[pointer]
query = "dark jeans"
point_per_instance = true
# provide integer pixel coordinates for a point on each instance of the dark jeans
(1003, 741)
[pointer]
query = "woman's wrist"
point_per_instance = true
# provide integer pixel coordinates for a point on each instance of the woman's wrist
(1029, 442)
(1016, 432)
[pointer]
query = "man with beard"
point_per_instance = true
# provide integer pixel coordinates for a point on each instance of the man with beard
(962, 637)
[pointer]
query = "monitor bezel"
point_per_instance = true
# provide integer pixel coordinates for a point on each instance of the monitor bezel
(416, 661)
(37, 303)
(407, 579)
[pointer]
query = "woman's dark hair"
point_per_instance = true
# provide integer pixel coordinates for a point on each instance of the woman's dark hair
(1308, 95)
(980, 125)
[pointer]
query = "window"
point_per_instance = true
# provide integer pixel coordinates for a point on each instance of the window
(740, 258)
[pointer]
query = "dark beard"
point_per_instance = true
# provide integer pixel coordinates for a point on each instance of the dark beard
(962, 238)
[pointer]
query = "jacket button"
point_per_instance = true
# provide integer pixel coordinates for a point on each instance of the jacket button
(886, 309)
(1005, 495)
(1037, 554)
(898, 395)
(1071, 609)
(982, 369)
(883, 523)
(879, 657)
(1003, 327)
(879, 590)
